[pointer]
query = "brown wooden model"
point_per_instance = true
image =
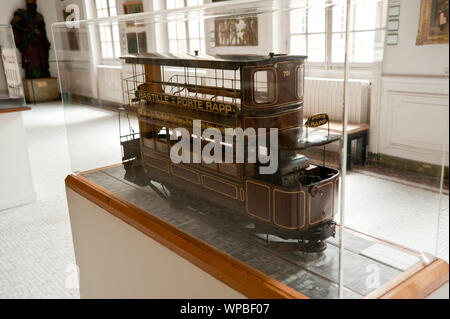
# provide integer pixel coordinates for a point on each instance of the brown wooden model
(168, 91)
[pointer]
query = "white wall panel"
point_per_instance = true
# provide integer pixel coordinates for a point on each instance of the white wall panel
(414, 118)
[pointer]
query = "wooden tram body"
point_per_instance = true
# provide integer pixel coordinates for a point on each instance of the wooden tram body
(167, 92)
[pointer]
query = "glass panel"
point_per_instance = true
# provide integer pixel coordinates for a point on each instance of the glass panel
(338, 47)
(365, 15)
(298, 21)
(316, 18)
(316, 47)
(388, 195)
(298, 44)
(338, 18)
(364, 43)
(170, 4)
(194, 29)
(264, 86)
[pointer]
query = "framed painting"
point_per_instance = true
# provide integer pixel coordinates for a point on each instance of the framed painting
(433, 23)
(132, 7)
(239, 31)
(137, 42)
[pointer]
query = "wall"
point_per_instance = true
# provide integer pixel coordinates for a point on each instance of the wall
(407, 58)
(410, 119)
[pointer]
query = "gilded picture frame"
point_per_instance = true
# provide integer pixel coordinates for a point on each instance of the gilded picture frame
(433, 23)
(132, 7)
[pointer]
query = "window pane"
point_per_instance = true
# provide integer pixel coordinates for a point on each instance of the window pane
(170, 4)
(108, 34)
(181, 30)
(298, 21)
(172, 29)
(193, 2)
(316, 19)
(115, 30)
(113, 12)
(173, 46)
(264, 86)
(117, 49)
(179, 3)
(338, 48)
(202, 43)
(338, 18)
(202, 29)
(104, 49)
(103, 5)
(182, 46)
(316, 48)
(364, 46)
(112, 3)
(298, 44)
(195, 45)
(364, 15)
(98, 4)
(194, 29)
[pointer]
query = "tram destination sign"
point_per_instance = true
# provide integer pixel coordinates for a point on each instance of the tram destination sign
(187, 102)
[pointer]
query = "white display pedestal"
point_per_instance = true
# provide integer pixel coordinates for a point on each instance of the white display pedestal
(16, 185)
(125, 251)
(116, 260)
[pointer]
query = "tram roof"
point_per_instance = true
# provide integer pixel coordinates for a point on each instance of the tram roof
(232, 62)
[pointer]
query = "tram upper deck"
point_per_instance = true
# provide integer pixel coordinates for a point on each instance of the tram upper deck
(253, 83)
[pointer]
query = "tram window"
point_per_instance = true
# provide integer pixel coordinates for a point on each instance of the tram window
(300, 81)
(264, 86)
(161, 141)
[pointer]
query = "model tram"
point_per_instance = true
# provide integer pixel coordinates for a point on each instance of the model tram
(171, 91)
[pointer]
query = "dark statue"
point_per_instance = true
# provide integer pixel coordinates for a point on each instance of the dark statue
(31, 40)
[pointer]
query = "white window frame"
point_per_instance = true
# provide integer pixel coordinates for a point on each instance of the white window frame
(185, 37)
(328, 64)
(115, 44)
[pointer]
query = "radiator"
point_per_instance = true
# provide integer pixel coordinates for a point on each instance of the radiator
(325, 96)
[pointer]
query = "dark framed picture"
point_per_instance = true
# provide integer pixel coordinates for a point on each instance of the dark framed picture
(433, 24)
(137, 42)
(239, 31)
(132, 7)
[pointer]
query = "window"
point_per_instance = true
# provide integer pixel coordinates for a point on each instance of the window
(362, 32)
(308, 32)
(319, 32)
(109, 32)
(186, 36)
(264, 86)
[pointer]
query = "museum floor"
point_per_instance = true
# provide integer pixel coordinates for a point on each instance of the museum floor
(36, 252)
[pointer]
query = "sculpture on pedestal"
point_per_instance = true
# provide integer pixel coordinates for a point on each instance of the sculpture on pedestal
(31, 40)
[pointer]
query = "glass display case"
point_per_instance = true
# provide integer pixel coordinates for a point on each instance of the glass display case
(252, 127)
(11, 89)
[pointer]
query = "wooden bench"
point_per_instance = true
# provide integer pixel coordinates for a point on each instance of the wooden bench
(355, 131)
